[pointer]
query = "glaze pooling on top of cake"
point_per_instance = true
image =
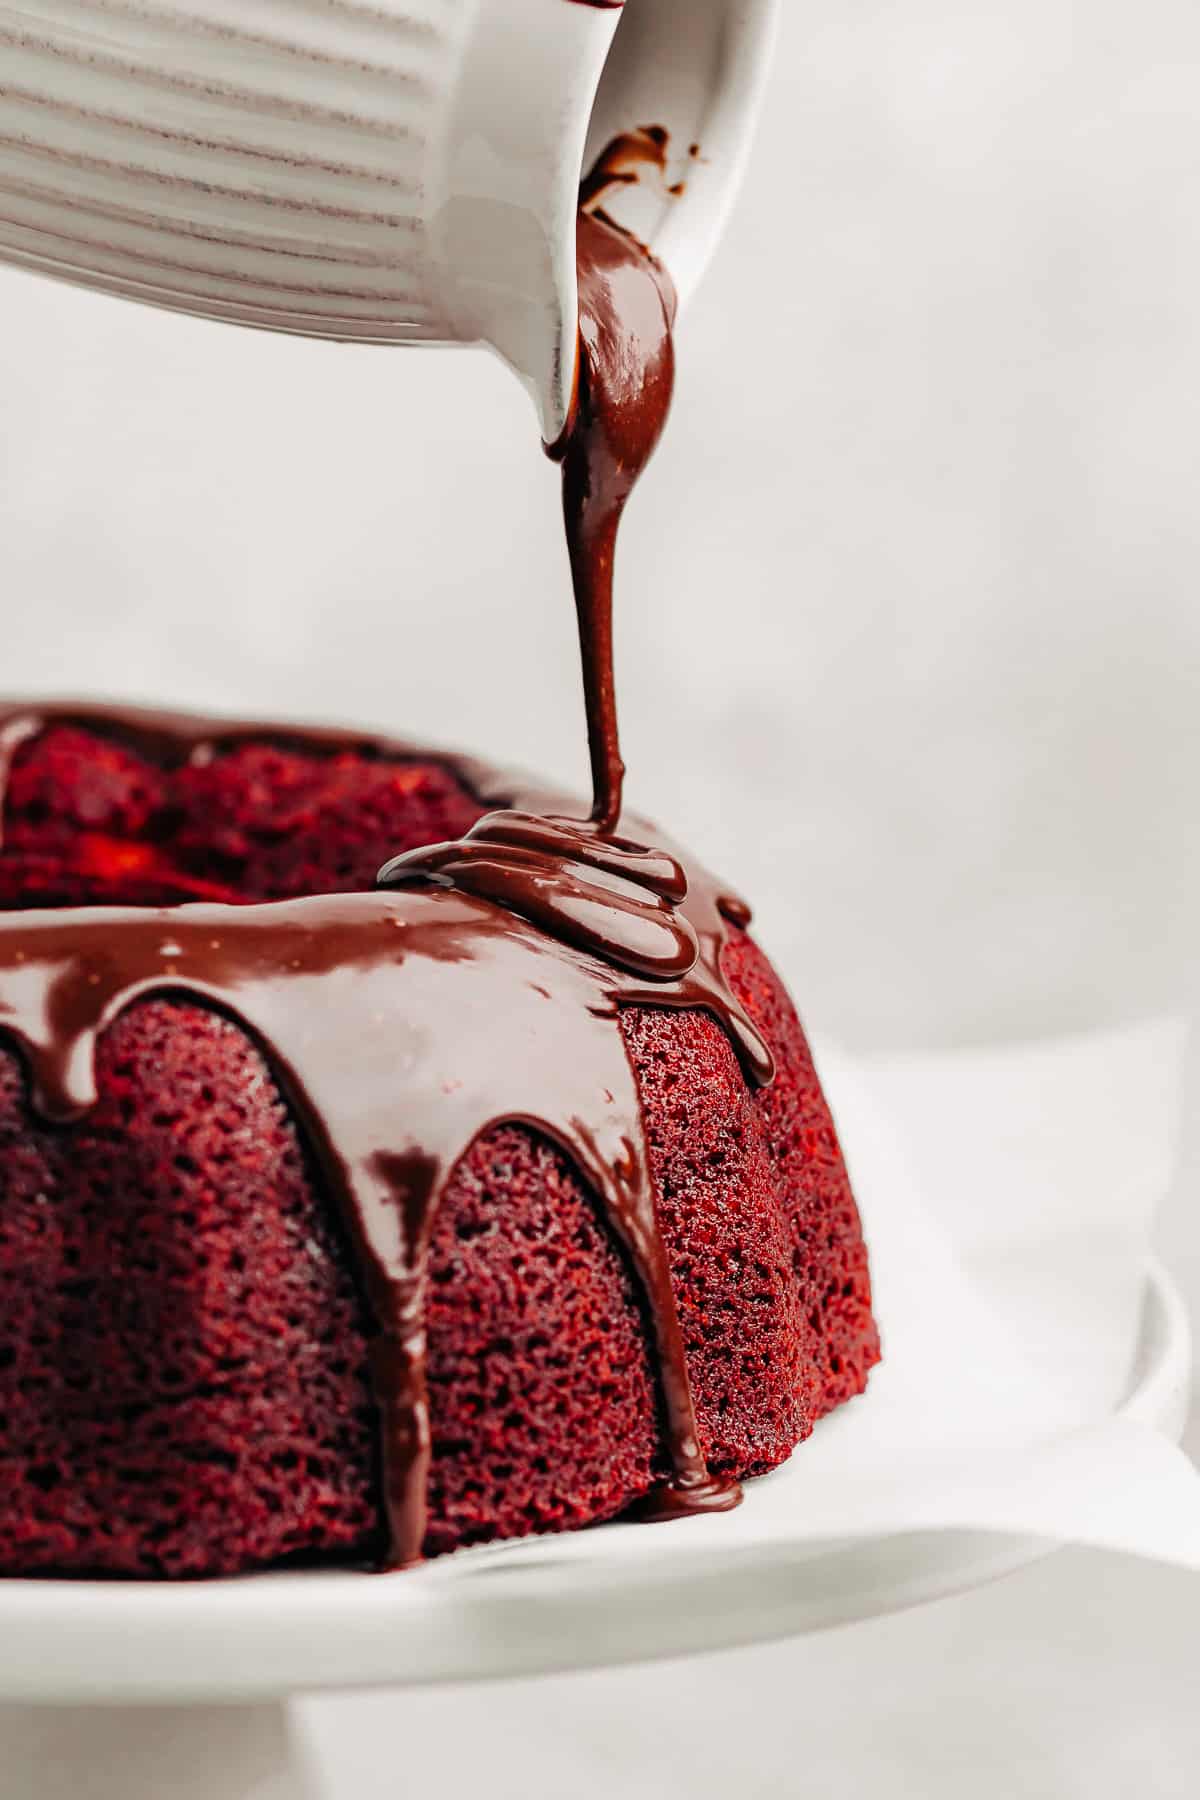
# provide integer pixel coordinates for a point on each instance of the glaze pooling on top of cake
(405, 1025)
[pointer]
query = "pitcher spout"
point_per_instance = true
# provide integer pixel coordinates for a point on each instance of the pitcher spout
(502, 227)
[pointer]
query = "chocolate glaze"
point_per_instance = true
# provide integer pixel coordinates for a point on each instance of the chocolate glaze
(626, 379)
(577, 879)
(636, 909)
(378, 1014)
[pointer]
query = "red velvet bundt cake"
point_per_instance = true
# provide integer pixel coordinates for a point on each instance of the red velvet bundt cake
(365, 1222)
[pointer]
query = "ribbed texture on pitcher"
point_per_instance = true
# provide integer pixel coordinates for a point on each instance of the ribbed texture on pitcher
(271, 164)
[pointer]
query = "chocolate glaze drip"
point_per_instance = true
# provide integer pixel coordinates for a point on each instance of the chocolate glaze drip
(378, 1014)
(626, 379)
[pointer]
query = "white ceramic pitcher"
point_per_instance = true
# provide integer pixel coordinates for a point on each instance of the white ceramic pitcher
(393, 170)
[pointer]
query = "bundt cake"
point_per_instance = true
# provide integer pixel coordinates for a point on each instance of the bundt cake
(381, 1217)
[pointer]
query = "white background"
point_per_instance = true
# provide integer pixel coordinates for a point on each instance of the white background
(909, 643)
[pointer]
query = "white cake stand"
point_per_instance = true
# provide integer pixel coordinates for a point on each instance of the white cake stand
(127, 1692)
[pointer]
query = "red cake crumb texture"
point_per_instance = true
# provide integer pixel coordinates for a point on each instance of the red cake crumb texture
(89, 822)
(184, 1384)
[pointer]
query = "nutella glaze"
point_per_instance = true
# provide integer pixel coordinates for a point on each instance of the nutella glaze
(378, 1014)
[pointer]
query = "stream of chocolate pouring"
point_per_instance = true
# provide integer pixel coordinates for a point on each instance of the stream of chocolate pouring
(377, 1011)
(626, 383)
(576, 879)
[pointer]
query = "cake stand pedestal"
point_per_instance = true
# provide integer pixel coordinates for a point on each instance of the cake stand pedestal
(179, 1691)
(152, 1753)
